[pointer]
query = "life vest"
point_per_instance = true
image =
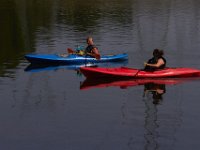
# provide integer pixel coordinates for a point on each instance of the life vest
(89, 48)
(154, 60)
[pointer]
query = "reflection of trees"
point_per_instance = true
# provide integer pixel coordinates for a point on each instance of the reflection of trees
(10, 36)
(22, 19)
(81, 15)
(159, 125)
(84, 15)
(119, 11)
(151, 17)
(151, 135)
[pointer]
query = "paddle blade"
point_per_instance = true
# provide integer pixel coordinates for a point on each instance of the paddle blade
(97, 56)
(70, 51)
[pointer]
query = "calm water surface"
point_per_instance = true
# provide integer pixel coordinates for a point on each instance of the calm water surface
(49, 109)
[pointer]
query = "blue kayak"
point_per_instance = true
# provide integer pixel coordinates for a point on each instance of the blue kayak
(72, 58)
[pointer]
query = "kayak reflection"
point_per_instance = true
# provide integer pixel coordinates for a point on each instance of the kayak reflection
(150, 84)
(157, 90)
(155, 87)
(49, 67)
(44, 67)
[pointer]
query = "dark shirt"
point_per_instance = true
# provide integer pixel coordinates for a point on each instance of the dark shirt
(89, 48)
(157, 97)
(154, 60)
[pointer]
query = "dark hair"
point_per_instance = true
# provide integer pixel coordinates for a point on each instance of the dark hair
(158, 53)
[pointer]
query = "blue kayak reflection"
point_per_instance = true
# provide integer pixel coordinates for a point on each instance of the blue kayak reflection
(49, 67)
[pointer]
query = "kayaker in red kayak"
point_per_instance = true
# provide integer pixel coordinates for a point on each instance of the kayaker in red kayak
(157, 62)
(91, 49)
(157, 90)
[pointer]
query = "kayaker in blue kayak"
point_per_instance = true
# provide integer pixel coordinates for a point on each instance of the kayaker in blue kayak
(91, 49)
(156, 62)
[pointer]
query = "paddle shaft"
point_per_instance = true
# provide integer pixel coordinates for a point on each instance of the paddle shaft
(137, 73)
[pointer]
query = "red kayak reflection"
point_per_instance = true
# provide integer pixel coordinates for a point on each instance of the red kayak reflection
(125, 83)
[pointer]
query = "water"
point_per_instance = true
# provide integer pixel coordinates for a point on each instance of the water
(47, 110)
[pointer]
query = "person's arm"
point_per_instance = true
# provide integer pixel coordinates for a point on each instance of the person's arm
(95, 53)
(157, 65)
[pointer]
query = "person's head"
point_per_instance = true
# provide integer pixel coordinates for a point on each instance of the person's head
(89, 41)
(158, 53)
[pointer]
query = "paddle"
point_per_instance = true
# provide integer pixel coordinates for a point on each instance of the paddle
(137, 73)
(70, 51)
(97, 56)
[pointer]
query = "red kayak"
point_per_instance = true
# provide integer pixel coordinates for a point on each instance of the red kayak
(103, 83)
(124, 72)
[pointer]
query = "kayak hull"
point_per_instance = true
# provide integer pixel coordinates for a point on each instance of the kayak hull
(72, 59)
(124, 72)
(46, 67)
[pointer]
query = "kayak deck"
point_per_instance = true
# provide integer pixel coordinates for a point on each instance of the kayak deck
(73, 58)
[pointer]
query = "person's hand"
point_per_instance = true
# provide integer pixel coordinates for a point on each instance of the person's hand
(145, 64)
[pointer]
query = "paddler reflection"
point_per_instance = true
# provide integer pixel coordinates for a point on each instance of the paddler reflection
(157, 91)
